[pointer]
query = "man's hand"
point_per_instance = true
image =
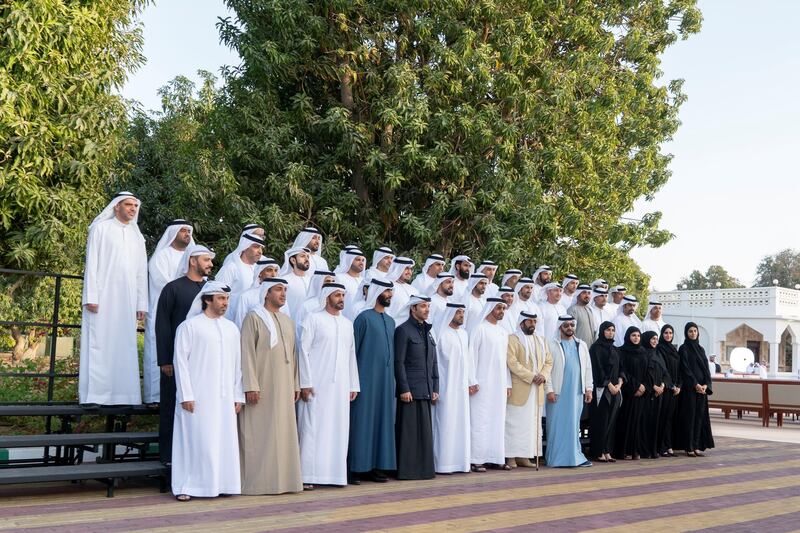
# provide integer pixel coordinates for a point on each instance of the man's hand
(641, 388)
(587, 397)
(140, 315)
(473, 389)
(93, 308)
(296, 396)
(676, 390)
(306, 394)
(698, 389)
(353, 395)
(508, 392)
(538, 379)
(237, 406)
(434, 397)
(406, 397)
(551, 397)
(188, 406)
(252, 397)
(168, 370)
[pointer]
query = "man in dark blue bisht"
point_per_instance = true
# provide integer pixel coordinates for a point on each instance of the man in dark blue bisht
(417, 375)
(371, 449)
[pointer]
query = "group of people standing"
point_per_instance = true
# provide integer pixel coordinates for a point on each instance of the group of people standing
(276, 377)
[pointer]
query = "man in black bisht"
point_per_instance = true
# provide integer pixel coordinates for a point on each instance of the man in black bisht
(417, 376)
(173, 304)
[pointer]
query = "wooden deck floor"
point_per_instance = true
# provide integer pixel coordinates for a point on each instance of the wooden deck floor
(742, 485)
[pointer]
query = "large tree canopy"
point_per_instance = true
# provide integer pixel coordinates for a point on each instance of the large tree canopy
(715, 274)
(517, 130)
(783, 266)
(60, 63)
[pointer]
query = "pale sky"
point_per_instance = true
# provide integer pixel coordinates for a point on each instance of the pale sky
(733, 196)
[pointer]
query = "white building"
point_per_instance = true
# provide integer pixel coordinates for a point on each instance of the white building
(764, 319)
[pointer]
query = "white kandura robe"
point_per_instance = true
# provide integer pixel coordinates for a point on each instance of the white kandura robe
(352, 294)
(523, 437)
(621, 325)
(653, 325)
(566, 300)
(317, 262)
(205, 443)
(601, 315)
(327, 362)
(438, 306)
(472, 316)
(400, 296)
(487, 407)
(245, 303)
(296, 292)
(422, 283)
(548, 318)
(238, 275)
(451, 427)
(162, 268)
(115, 278)
(460, 294)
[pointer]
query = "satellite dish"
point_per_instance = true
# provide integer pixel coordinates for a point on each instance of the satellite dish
(741, 358)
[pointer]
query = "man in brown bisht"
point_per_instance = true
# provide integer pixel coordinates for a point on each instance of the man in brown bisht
(268, 445)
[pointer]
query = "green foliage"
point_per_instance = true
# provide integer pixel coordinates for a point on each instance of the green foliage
(715, 274)
(783, 266)
(174, 163)
(60, 63)
(516, 131)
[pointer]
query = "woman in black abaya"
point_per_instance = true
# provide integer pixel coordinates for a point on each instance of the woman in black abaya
(669, 401)
(628, 444)
(693, 425)
(655, 384)
(608, 380)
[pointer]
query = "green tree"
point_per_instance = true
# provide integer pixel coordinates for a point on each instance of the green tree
(60, 129)
(715, 274)
(517, 131)
(783, 266)
(60, 121)
(173, 160)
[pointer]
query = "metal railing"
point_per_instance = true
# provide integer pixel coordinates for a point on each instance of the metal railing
(53, 325)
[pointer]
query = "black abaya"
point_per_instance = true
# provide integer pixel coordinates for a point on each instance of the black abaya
(629, 424)
(693, 430)
(606, 368)
(669, 401)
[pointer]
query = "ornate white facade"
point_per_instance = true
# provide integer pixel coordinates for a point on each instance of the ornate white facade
(764, 319)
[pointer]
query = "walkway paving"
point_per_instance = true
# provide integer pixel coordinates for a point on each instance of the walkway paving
(742, 485)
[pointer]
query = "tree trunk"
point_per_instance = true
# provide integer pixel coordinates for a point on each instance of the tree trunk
(346, 97)
(20, 344)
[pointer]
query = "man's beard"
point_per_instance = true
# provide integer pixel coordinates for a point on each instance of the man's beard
(463, 275)
(385, 302)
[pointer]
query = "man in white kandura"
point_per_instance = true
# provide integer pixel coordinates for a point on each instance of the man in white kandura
(381, 261)
(350, 273)
(237, 272)
(162, 268)
(434, 265)
(487, 407)
(114, 298)
(311, 238)
(208, 375)
(489, 269)
(440, 292)
(400, 274)
(653, 320)
(451, 433)
(625, 318)
(328, 383)
(295, 270)
(530, 363)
